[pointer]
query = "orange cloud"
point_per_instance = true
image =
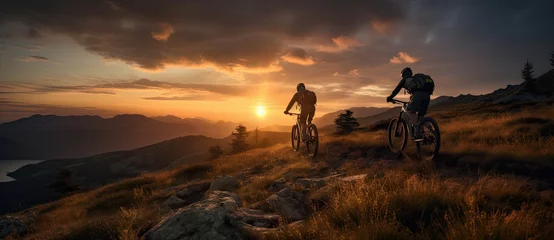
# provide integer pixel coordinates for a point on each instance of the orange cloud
(298, 56)
(403, 57)
(381, 26)
(165, 33)
(340, 44)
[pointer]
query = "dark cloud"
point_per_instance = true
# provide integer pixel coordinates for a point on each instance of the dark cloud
(185, 98)
(33, 59)
(31, 48)
(228, 34)
(138, 84)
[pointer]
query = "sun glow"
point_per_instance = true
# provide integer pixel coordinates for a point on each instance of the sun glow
(260, 111)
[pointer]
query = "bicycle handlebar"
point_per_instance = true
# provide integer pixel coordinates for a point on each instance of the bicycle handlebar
(395, 101)
(292, 114)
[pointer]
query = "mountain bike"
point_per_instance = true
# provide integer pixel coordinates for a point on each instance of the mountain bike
(312, 141)
(428, 147)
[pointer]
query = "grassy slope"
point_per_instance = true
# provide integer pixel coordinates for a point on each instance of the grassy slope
(492, 181)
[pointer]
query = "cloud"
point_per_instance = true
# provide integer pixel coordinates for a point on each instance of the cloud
(33, 59)
(298, 56)
(166, 31)
(341, 43)
(231, 35)
(109, 88)
(30, 48)
(185, 98)
(403, 57)
(381, 26)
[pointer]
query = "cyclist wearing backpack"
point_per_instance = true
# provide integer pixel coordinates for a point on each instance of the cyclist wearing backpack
(421, 87)
(307, 100)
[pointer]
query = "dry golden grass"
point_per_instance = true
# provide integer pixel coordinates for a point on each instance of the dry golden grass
(398, 200)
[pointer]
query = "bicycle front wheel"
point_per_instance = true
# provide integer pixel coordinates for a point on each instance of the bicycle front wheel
(295, 138)
(398, 137)
(430, 146)
(313, 141)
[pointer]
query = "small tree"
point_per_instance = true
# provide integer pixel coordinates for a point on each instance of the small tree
(346, 123)
(64, 183)
(216, 151)
(240, 143)
(527, 72)
(552, 59)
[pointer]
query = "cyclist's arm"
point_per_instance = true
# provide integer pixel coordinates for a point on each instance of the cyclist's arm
(292, 101)
(398, 88)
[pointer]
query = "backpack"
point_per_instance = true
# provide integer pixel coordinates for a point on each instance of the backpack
(422, 83)
(308, 98)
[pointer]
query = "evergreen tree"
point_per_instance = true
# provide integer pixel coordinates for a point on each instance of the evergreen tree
(527, 72)
(346, 123)
(240, 143)
(216, 151)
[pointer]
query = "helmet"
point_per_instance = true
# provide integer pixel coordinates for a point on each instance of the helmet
(406, 72)
(300, 86)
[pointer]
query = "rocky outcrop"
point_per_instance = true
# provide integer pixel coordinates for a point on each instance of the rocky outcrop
(174, 202)
(312, 182)
(11, 226)
(288, 203)
(218, 216)
(224, 183)
(278, 184)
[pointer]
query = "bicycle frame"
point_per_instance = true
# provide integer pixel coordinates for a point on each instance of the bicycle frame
(403, 111)
(298, 124)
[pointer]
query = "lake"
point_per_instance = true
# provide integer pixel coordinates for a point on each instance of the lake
(12, 165)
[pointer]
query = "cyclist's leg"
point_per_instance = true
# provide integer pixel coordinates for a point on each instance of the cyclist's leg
(425, 100)
(311, 114)
(303, 118)
(414, 110)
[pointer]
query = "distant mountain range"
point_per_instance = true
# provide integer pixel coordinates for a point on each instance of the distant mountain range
(50, 136)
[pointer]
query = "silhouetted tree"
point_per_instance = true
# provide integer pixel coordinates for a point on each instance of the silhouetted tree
(64, 182)
(552, 59)
(240, 143)
(346, 123)
(527, 72)
(216, 151)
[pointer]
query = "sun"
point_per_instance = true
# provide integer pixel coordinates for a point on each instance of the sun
(260, 111)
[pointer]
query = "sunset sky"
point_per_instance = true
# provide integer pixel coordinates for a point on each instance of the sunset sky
(224, 60)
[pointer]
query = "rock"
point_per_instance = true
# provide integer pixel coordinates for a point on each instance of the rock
(224, 183)
(193, 189)
(289, 204)
(360, 177)
(312, 182)
(11, 226)
(174, 202)
(277, 185)
(218, 216)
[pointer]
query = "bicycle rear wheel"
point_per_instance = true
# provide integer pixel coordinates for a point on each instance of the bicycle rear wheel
(295, 138)
(430, 146)
(313, 140)
(398, 141)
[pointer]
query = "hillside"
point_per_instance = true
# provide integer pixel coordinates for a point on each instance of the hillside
(492, 181)
(95, 171)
